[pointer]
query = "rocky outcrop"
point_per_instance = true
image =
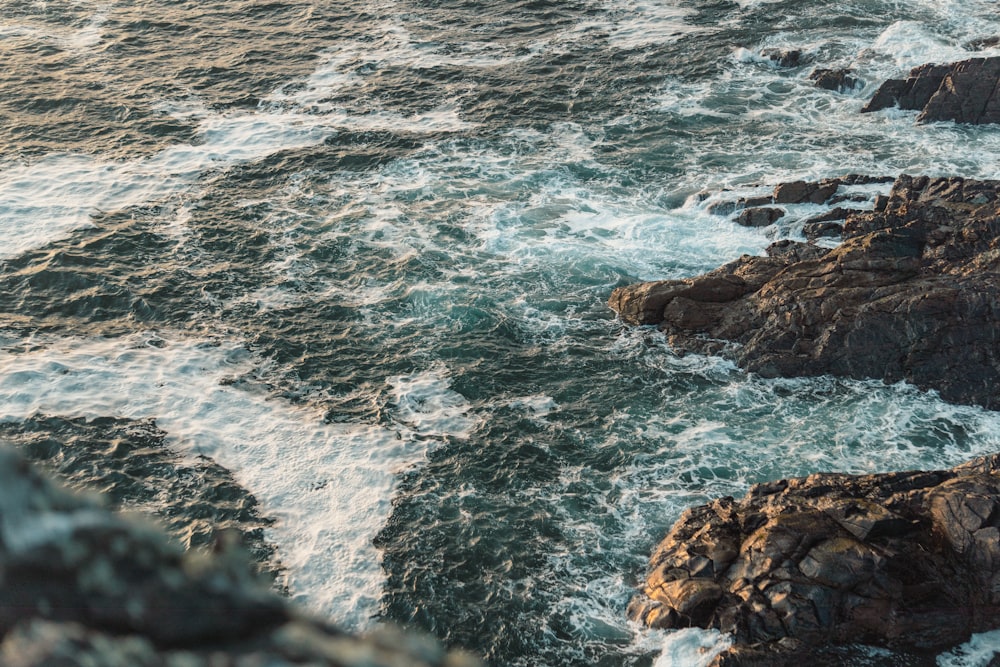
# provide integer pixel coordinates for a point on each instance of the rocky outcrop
(81, 585)
(784, 57)
(759, 217)
(964, 92)
(913, 293)
(838, 80)
(758, 211)
(982, 43)
(908, 561)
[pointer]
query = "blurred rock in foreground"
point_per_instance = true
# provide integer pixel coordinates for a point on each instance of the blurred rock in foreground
(82, 585)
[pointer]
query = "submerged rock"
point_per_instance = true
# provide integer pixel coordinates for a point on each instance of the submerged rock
(785, 57)
(800, 568)
(794, 192)
(82, 585)
(964, 92)
(913, 294)
(838, 80)
(982, 43)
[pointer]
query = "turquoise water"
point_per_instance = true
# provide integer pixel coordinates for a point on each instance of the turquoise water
(358, 256)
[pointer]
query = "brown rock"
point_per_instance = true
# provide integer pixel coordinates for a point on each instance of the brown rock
(817, 230)
(838, 80)
(808, 566)
(911, 294)
(964, 92)
(784, 57)
(982, 43)
(759, 217)
(802, 192)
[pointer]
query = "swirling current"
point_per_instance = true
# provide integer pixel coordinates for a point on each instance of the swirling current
(333, 275)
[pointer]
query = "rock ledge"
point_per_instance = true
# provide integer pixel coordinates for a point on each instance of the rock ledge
(913, 294)
(908, 561)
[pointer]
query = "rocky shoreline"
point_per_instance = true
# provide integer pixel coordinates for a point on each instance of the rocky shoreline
(909, 295)
(907, 561)
(811, 568)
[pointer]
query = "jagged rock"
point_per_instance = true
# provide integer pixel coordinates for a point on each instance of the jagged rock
(81, 585)
(728, 206)
(964, 92)
(838, 80)
(911, 294)
(834, 214)
(820, 230)
(802, 192)
(982, 43)
(909, 561)
(784, 57)
(759, 217)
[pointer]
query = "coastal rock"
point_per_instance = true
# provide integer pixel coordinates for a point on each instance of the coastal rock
(838, 213)
(803, 192)
(799, 192)
(784, 57)
(838, 80)
(821, 230)
(965, 92)
(907, 561)
(82, 585)
(982, 43)
(759, 217)
(911, 294)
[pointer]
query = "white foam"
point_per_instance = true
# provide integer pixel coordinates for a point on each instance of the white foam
(979, 651)
(78, 41)
(789, 130)
(565, 221)
(329, 485)
(47, 199)
(43, 201)
(637, 24)
(750, 4)
(347, 65)
(692, 647)
(91, 34)
(912, 43)
(425, 403)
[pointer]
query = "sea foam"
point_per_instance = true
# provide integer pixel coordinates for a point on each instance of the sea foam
(328, 485)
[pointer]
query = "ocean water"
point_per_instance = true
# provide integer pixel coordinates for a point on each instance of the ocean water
(357, 254)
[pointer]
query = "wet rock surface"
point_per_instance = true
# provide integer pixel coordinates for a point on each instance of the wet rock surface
(785, 57)
(907, 561)
(838, 80)
(965, 92)
(759, 217)
(82, 585)
(911, 294)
